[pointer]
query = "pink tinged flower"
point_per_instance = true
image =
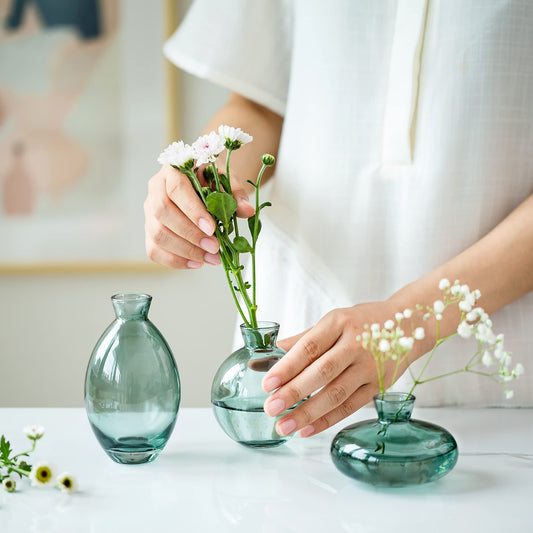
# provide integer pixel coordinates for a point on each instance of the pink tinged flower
(234, 134)
(464, 330)
(438, 306)
(207, 148)
(419, 334)
(176, 154)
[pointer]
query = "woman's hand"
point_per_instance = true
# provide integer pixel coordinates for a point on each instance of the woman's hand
(327, 357)
(178, 228)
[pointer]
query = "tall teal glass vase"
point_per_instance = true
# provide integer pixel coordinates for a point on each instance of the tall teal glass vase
(394, 450)
(132, 385)
(236, 394)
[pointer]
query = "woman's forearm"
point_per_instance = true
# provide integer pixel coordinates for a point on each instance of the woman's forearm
(265, 127)
(500, 265)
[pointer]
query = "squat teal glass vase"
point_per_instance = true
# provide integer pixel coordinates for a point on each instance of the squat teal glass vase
(236, 394)
(132, 386)
(394, 450)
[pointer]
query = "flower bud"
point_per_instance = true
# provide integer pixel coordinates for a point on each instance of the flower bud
(9, 484)
(268, 160)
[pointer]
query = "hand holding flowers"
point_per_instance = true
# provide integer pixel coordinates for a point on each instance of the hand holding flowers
(217, 196)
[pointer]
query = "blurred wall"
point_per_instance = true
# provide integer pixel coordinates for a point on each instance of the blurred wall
(49, 323)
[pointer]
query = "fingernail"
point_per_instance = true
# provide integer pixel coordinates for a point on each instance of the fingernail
(206, 226)
(209, 245)
(286, 427)
(271, 383)
(194, 264)
(275, 407)
(212, 259)
(307, 431)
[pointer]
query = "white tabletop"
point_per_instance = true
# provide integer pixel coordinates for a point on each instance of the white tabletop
(203, 481)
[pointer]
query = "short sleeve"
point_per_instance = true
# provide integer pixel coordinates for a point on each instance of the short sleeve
(242, 45)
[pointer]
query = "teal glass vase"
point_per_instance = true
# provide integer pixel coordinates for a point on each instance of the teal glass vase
(394, 450)
(132, 385)
(237, 397)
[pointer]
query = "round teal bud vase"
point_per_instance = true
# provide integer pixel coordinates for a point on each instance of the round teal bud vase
(394, 450)
(132, 386)
(236, 394)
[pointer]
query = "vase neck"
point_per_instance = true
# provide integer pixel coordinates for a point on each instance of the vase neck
(262, 338)
(394, 406)
(131, 306)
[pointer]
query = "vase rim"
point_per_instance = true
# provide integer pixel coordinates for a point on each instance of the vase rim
(261, 324)
(394, 397)
(130, 297)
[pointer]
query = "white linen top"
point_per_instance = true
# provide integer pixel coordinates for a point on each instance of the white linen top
(407, 136)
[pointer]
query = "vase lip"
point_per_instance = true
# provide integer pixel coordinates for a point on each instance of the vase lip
(130, 297)
(394, 397)
(261, 325)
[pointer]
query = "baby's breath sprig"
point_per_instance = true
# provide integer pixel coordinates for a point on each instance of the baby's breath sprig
(40, 474)
(218, 200)
(390, 342)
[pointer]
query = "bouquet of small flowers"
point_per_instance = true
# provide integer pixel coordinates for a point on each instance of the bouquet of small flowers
(391, 343)
(41, 474)
(218, 200)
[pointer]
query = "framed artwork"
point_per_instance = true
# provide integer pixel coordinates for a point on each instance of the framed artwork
(87, 102)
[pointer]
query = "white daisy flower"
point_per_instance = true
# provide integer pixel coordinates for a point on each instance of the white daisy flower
(177, 154)
(9, 484)
(42, 474)
(34, 432)
(67, 483)
(208, 147)
(234, 135)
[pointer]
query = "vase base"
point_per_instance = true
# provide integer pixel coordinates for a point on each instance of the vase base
(263, 444)
(132, 457)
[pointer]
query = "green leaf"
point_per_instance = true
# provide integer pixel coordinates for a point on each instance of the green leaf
(222, 206)
(242, 245)
(5, 448)
(251, 226)
(264, 204)
(251, 183)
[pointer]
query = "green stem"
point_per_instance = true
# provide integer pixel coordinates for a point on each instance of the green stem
(27, 452)
(256, 225)
(218, 187)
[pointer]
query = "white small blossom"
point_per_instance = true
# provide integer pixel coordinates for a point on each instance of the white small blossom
(419, 334)
(509, 394)
(41, 474)
(384, 345)
(464, 290)
(487, 359)
(207, 148)
(438, 316)
(464, 330)
(67, 483)
(518, 370)
(444, 284)
(234, 134)
(465, 306)
(406, 342)
(176, 154)
(456, 289)
(34, 432)
(476, 294)
(407, 313)
(9, 484)
(398, 317)
(438, 306)
(389, 324)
